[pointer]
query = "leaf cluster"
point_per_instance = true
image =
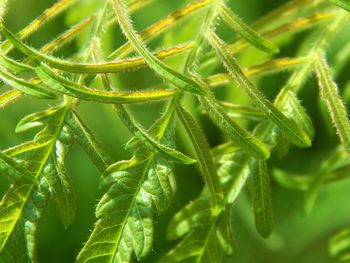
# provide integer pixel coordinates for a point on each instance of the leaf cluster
(138, 190)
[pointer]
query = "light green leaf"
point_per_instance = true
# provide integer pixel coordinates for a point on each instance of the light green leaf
(160, 128)
(125, 213)
(26, 87)
(345, 4)
(330, 95)
(148, 140)
(110, 67)
(179, 80)
(60, 84)
(249, 143)
(289, 127)
(233, 21)
(193, 215)
(160, 26)
(3, 7)
(13, 65)
(9, 97)
(204, 157)
(14, 171)
(25, 147)
(269, 67)
(234, 171)
(21, 246)
(14, 201)
(260, 192)
(200, 246)
(292, 181)
(36, 119)
(38, 22)
(242, 111)
(86, 139)
(334, 168)
(111, 173)
(288, 103)
(339, 246)
(61, 186)
(224, 232)
(159, 184)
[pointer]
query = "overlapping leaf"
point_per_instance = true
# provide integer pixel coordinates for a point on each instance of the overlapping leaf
(136, 191)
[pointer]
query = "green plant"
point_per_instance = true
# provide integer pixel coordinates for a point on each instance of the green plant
(137, 190)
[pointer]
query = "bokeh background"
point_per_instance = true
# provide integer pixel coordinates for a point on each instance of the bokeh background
(296, 238)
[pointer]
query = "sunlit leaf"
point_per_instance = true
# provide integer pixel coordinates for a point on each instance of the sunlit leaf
(342, 3)
(60, 84)
(339, 246)
(61, 186)
(160, 26)
(8, 97)
(181, 81)
(204, 157)
(249, 143)
(334, 102)
(33, 89)
(246, 32)
(21, 246)
(291, 130)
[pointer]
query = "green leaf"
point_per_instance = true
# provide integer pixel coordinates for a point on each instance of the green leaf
(233, 21)
(269, 67)
(260, 192)
(330, 95)
(14, 171)
(60, 183)
(200, 245)
(110, 67)
(234, 171)
(13, 65)
(179, 80)
(159, 127)
(36, 119)
(160, 184)
(9, 97)
(125, 213)
(3, 6)
(25, 147)
(339, 246)
(87, 140)
(64, 38)
(21, 246)
(14, 201)
(60, 84)
(111, 172)
(242, 111)
(292, 181)
(38, 22)
(204, 157)
(288, 103)
(289, 127)
(160, 26)
(29, 88)
(193, 215)
(224, 233)
(148, 140)
(249, 143)
(345, 4)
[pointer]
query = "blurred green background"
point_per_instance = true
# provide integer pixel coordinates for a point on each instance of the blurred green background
(296, 238)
